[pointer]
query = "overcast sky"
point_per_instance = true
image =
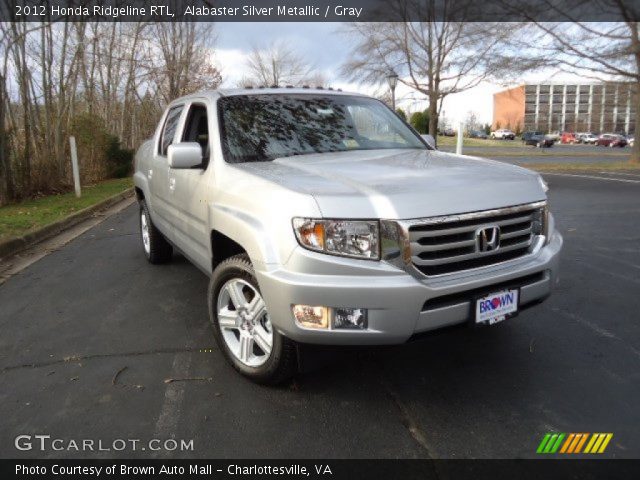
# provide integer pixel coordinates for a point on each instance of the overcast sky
(326, 48)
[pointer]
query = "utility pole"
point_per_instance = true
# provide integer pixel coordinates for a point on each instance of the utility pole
(459, 143)
(74, 165)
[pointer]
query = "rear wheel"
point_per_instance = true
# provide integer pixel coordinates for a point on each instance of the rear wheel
(155, 246)
(242, 325)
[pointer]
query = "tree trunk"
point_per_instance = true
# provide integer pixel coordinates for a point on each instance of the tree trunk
(433, 117)
(5, 161)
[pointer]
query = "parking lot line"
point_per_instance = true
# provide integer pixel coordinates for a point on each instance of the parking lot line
(593, 177)
(622, 173)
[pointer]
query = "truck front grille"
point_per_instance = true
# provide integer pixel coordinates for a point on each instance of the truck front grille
(441, 245)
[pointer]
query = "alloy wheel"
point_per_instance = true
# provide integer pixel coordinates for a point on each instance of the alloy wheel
(144, 229)
(244, 322)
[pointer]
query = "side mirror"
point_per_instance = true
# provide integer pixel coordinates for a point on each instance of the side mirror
(429, 139)
(184, 155)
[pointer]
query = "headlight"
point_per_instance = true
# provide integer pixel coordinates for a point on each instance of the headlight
(540, 222)
(347, 238)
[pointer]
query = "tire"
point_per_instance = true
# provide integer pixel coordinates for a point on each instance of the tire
(244, 337)
(154, 245)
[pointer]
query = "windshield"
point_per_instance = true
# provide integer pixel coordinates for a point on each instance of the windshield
(258, 128)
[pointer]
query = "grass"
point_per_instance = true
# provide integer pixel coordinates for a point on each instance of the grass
(546, 152)
(477, 142)
(583, 167)
(24, 217)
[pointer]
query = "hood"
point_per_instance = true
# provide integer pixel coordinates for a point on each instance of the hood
(400, 184)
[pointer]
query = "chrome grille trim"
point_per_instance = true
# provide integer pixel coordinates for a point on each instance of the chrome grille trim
(473, 215)
(469, 256)
(447, 244)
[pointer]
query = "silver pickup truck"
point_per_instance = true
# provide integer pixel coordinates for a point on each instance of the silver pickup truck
(321, 217)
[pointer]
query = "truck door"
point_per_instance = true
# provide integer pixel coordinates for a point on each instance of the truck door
(189, 189)
(159, 173)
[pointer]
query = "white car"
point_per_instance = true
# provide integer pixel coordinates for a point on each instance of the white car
(503, 134)
(555, 136)
(589, 138)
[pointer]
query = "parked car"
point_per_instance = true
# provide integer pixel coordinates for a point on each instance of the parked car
(342, 231)
(568, 138)
(555, 136)
(477, 134)
(589, 138)
(503, 134)
(449, 132)
(611, 140)
(537, 139)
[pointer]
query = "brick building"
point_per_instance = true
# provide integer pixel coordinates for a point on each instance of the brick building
(548, 107)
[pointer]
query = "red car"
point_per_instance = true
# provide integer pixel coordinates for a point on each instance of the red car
(611, 140)
(568, 137)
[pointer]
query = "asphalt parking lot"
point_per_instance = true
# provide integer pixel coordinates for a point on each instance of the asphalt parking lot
(98, 344)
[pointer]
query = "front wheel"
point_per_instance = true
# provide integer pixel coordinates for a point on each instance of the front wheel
(242, 325)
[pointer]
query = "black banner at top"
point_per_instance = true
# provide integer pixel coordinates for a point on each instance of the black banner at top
(321, 10)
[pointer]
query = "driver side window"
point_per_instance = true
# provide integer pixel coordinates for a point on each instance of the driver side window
(197, 130)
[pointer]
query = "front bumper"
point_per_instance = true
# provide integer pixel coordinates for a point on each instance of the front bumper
(399, 304)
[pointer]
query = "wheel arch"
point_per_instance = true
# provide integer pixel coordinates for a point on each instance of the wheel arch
(141, 187)
(237, 229)
(223, 247)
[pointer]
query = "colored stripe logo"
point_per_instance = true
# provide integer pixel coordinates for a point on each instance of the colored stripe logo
(574, 443)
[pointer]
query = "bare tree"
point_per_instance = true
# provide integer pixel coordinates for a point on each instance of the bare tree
(598, 51)
(277, 64)
(471, 121)
(103, 82)
(184, 64)
(436, 57)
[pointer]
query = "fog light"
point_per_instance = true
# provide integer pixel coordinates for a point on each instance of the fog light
(311, 317)
(350, 318)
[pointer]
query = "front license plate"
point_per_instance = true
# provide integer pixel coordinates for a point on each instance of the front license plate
(496, 307)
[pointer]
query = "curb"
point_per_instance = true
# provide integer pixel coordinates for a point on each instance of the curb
(14, 245)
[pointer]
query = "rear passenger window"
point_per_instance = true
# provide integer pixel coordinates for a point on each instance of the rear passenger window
(169, 129)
